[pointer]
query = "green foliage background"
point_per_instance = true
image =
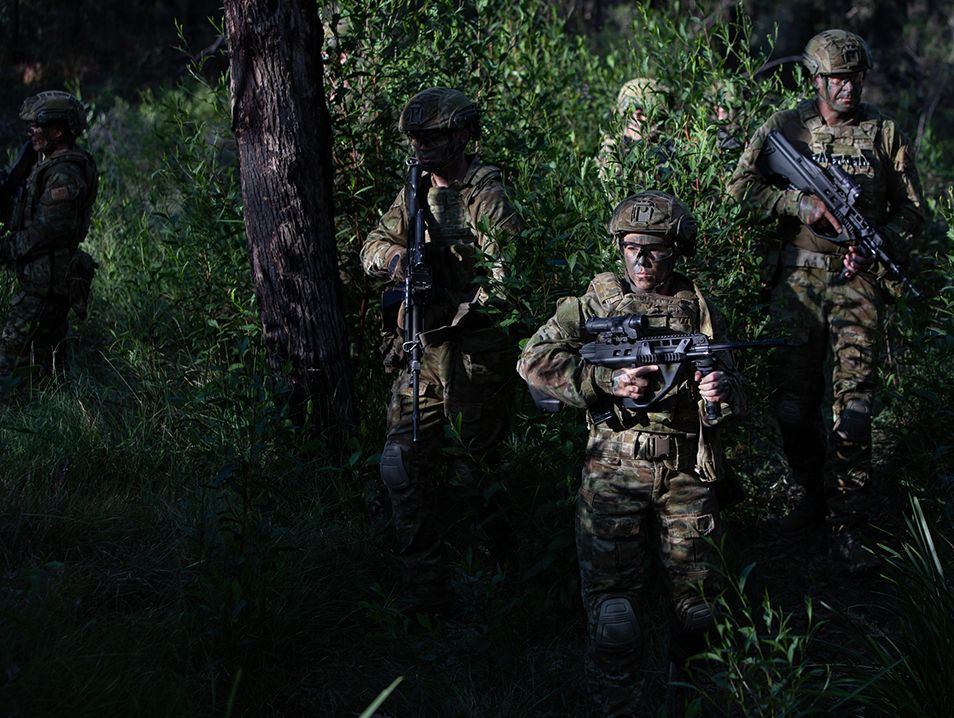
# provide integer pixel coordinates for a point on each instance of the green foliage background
(171, 545)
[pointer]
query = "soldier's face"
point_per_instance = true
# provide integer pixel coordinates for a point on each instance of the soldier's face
(649, 260)
(634, 127)
(44, 139)
(437, 149)
(841, 92)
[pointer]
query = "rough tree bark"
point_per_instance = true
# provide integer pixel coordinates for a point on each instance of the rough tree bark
(282, 127)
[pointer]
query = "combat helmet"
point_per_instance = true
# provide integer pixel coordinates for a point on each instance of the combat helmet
(643, 93)
(440, 108)
(834, 52)
(658, 213)
(55, 106)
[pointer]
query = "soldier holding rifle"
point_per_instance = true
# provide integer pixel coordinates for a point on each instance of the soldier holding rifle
(457, 365)
(828, 294)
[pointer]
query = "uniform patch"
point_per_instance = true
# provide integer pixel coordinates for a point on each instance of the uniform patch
(59, 193)
(643, 213)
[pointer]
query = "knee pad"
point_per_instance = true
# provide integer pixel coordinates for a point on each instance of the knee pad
(694, 615)
(616, 626)
(393, 467)
(791, 412)
(854, 423)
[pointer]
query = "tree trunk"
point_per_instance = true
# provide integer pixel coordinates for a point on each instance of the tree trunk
(282, 128)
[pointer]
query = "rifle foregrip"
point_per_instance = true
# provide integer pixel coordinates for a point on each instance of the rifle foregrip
(706, 366)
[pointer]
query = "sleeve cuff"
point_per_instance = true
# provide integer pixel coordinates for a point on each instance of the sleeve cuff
(597, 382)
(788, 203)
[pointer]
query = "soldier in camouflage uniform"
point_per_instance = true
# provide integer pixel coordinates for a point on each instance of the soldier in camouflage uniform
(649, 473)
(722, 96)
(640, 104)
(467, 370)
(809, 302)
(50, 219)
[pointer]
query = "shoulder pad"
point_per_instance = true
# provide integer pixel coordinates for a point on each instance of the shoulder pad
(806, 110)
(484, 174)
(608, 288)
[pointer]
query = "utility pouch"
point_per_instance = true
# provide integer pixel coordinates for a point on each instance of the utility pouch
(709, 459)
(392, 340)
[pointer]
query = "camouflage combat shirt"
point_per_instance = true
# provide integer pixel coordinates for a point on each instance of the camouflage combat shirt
(465, 224)
(54, 211)
(551, 359)
(871, 149)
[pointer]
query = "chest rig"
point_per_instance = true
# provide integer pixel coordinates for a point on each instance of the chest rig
(451, 236)
(28, 206)
(855, 148)
(683, 312)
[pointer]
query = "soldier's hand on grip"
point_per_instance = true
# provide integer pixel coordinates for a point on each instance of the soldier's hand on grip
(856, 262)
(714, 386)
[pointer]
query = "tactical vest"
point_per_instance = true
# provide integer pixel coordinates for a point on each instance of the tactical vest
(687, 311)
(855, 148)
(451, 236)
(27, 207)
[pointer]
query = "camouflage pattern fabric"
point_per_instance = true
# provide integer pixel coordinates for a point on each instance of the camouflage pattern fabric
(34, 327)
(467, 368)
(641, 490)
(625, 162)
(840, 319)
(615, 537)
(467, 385)
(50, 221)
(464, 224)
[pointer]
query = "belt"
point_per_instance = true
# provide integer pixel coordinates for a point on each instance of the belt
(798, 257)
(660, 446)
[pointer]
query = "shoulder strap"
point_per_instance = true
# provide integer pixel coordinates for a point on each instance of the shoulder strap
(705, 314)
(808, 114)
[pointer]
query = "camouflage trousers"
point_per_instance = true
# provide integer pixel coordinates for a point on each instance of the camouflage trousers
(34, 328)
(464, 405)
(836, 321)
(640, 494)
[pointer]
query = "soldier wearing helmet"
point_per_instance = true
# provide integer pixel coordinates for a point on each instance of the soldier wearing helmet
(646, 470)
(50, 219)
(467, 370)
(635, 154)
(842, 318)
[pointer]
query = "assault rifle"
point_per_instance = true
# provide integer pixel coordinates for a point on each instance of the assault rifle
(418, 281)
(780, 160)
(12, 181)
(622, 342)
